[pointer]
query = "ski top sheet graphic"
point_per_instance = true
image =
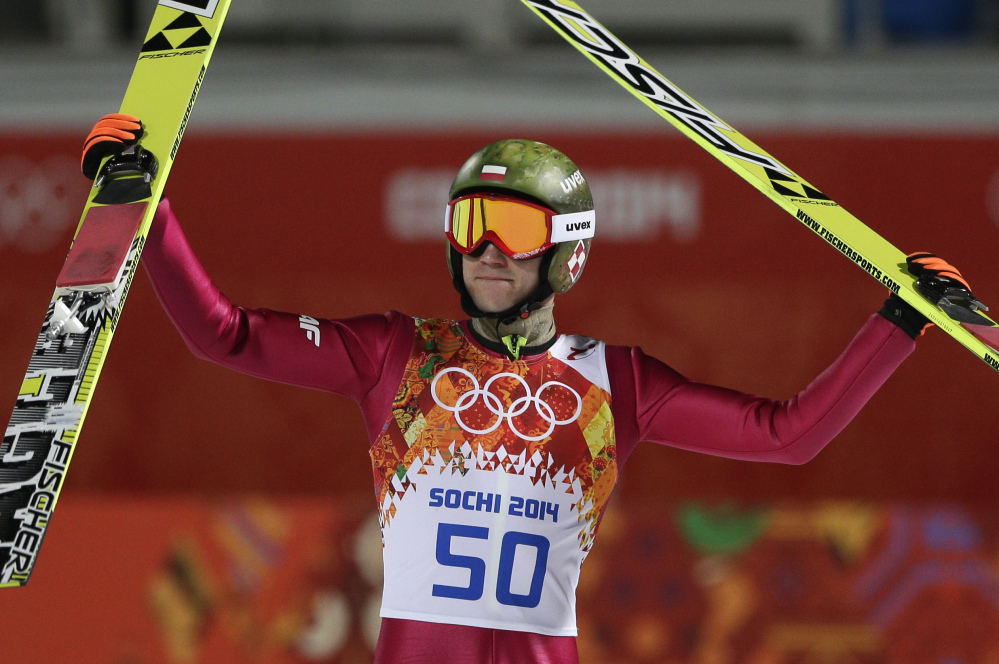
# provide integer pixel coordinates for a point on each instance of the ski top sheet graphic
(811, 207)
(70, 349)
(204, 8)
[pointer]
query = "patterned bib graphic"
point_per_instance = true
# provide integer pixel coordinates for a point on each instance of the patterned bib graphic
(514, 460)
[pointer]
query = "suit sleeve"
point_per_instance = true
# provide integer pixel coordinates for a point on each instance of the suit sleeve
(655, 403)
(362, 357)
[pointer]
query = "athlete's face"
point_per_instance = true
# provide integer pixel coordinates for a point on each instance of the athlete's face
(495, 281)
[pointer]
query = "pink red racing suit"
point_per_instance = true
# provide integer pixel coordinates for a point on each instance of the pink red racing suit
(419, 419)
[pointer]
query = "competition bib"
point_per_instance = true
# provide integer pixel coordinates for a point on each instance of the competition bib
(491, 477)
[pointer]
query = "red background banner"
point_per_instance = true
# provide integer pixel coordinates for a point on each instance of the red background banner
(180, 581)
(713, 279)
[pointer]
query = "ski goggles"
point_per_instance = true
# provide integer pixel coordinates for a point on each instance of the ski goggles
(519, 229)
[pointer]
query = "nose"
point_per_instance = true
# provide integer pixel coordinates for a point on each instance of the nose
(493, 255)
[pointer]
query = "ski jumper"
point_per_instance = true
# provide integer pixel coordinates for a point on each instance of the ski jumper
(491, 475)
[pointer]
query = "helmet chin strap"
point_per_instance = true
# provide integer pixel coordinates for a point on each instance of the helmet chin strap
(524, 308)
(521, 309)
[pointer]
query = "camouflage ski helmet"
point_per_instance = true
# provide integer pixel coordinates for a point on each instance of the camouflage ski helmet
(540, 174)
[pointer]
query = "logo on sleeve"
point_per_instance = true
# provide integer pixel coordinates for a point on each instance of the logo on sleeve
(311, 327)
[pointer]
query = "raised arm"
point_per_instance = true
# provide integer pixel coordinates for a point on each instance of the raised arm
(655, 403)
(348, 357)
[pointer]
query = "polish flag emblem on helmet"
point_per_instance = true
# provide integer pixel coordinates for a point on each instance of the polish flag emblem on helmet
(493, 173)
(576, 260)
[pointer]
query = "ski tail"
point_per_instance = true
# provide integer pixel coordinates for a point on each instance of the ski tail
(802, 200)
(69, 353)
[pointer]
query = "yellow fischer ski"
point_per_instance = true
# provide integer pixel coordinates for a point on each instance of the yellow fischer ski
(70, 350)
(815, 210)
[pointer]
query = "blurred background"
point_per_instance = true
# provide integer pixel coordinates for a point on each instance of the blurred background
(212, 517)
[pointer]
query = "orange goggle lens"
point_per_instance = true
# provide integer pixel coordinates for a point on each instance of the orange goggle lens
(515, 226)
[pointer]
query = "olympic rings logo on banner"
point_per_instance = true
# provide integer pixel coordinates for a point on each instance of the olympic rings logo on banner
(39, 201)
(495, 406)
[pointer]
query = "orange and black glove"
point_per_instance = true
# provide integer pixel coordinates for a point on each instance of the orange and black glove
(937, 279)
(112, 134)
(939, 282)
(943, 285)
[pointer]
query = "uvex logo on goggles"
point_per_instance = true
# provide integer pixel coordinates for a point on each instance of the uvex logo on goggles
(518, 228)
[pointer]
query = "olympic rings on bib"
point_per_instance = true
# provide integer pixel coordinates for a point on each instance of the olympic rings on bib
(495, 405)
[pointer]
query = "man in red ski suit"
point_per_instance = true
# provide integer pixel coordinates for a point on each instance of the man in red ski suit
(495, 442)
